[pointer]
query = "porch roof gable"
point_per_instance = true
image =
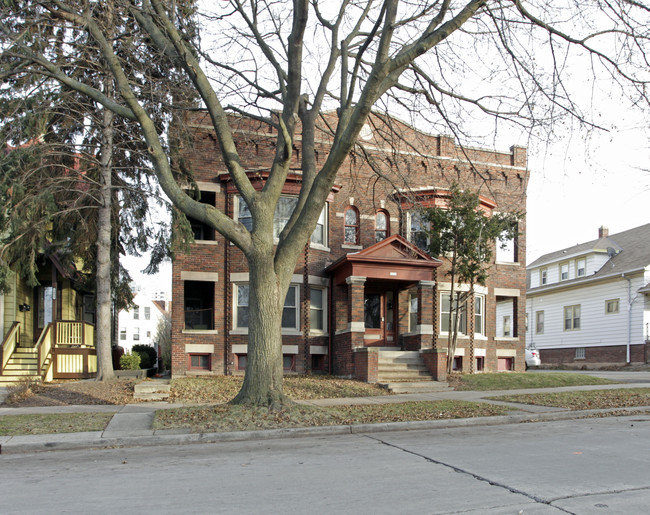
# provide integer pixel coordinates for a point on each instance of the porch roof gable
(394, 258)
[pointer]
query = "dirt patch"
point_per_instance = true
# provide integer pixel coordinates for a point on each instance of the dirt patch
(64, 393)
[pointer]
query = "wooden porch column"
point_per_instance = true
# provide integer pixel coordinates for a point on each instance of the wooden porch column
(425, 313)
(356, 311)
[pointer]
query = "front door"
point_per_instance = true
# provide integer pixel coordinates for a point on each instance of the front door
(44, 302)
(379, 317)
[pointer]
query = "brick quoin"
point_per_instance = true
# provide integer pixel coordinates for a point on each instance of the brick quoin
(415, 167)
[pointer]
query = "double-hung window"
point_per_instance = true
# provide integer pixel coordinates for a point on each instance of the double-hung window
(418, 230)
(564, 271)
(316, 309)
(581, 267)
(479, 315)
(446, 308)
(290, 311)
(572, 318)
(283, 212)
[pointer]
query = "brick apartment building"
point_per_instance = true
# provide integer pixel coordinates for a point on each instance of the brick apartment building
(363, 286)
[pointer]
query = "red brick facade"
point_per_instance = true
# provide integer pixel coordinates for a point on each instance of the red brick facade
(414, 168)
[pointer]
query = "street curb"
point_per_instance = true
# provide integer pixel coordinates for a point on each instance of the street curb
(62, 442)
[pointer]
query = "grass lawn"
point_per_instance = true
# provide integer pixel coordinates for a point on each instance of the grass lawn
(594, 399)
(217, 389)
(12, 425)
(514, 381)
(225, 417)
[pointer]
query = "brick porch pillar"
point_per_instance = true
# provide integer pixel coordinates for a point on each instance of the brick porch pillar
(356, 298)
(425, 313)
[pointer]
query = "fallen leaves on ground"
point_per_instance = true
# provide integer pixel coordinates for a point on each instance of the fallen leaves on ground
(226, 417)
(218, 389)
(67, 393)
(583, 400)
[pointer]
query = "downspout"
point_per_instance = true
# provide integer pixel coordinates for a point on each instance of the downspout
(629, 318)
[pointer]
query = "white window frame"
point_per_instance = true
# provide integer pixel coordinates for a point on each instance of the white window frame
(444, 315)
(583, 267)
(136, 312)
(413, 307)
(147, 313)
(136, 334)
(580, 353)
(236, 329)
(479, 331)
(322, 219)
(543, 276)
(322, 309)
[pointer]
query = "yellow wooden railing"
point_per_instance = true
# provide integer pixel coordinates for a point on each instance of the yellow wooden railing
(44, 348)
(9, 344)
(74, 349)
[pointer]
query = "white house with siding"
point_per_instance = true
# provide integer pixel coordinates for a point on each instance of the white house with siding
(590, 304)
(139, 324)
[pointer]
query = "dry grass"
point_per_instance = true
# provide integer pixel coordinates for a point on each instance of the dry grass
(12, 425)
(515, 381)
(219, 389)
(225, 417)
(582, 400)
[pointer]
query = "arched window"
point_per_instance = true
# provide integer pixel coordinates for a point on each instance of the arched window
(382, 225)
(351, 226)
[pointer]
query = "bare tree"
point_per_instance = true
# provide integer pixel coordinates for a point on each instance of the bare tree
(284, 63)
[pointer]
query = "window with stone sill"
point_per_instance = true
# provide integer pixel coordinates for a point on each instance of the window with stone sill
(351, 227)
(290, 313)
(382, 225)
(283, 212)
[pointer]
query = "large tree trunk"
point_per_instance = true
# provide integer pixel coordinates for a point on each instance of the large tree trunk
(103, 277)
(263, 380)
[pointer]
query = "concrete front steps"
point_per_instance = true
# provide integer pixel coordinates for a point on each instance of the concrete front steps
(22, 366)
(156, 390)
(405, 372)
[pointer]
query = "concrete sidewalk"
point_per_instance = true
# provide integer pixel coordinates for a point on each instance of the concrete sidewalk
(132, 424)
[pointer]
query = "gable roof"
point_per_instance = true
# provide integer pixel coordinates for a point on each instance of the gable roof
(628, 250)
(383, 260)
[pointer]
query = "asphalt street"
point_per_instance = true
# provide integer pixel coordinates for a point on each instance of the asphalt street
(597, 465)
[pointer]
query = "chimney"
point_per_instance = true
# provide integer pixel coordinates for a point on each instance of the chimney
(603, 232)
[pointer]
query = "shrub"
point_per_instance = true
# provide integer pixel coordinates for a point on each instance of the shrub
(147, 355)
(130, 361)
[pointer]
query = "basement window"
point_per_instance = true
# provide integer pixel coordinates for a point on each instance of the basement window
(199, 361)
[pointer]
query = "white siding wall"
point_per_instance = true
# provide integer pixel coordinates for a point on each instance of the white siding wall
(596, 327)
(127, 322)
(504, 308)
(593, 263)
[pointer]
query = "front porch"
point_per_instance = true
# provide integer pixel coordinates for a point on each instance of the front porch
(65, 349)
(384, 301)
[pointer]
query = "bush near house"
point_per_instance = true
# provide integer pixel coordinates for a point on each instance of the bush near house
(147, 355)
(130, 361)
